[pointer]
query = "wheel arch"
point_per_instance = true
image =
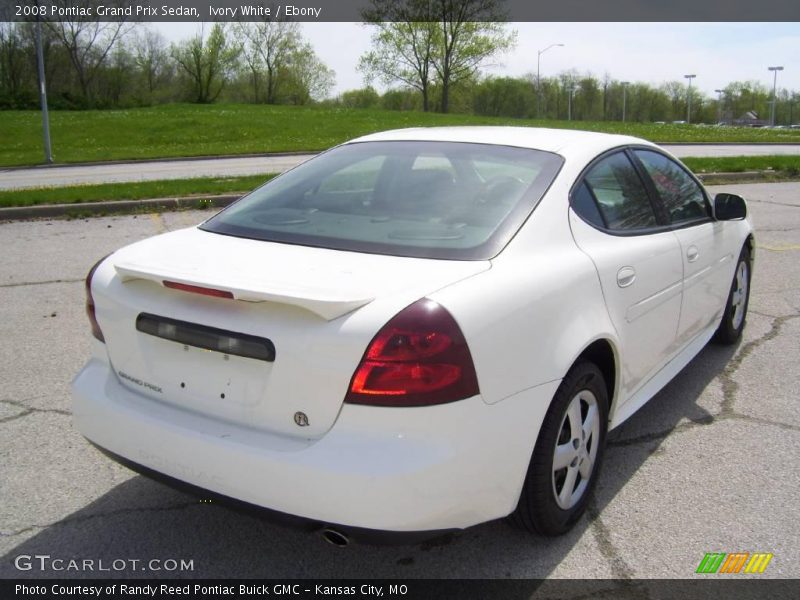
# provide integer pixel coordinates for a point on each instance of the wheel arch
(603, 353)
(750, 242)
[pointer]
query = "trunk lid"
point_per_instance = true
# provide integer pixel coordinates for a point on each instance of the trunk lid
(317, 308)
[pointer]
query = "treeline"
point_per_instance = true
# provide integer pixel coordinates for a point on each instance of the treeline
(593, 99)
(116, 65)
(429, 65)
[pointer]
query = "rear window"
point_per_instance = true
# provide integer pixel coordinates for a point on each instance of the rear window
(423, 199)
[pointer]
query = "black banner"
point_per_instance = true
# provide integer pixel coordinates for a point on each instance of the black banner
(354, 10)
(413, 589)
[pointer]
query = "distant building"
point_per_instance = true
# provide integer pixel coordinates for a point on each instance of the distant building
(749, 119)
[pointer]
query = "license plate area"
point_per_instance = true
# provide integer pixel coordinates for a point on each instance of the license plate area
(207, 338)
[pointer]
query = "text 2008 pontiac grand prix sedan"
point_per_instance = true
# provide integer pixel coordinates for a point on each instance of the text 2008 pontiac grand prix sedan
(416, 331)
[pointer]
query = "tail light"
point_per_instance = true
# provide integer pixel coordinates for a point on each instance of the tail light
(419, 358)
(96, 331)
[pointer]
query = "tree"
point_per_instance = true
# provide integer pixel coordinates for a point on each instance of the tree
(151, 58)
(466, 42)
(676, 92)
(87, 44)
(308, 78)
(267, 50)
(207, 62)
(364, 98)
(504, 97)
(418, 41)
(16, 68)
(402, 52)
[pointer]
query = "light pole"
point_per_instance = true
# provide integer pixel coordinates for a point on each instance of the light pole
(48, 152)
(774, 89)
(719, 105)
(538, 78)
(624, 98)
(689, 98)
(570, 89)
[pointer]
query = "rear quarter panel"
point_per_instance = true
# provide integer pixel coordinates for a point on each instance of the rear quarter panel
(530, 316)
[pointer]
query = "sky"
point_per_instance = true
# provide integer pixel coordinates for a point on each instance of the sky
(653, 53)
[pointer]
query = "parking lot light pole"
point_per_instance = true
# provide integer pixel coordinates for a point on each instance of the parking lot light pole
(624, 98)
(689, 98)
(774, 90)
(570, 89)
(538, 78)
(719, 105)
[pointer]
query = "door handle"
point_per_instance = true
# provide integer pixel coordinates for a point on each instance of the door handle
(626, 276)
(692, 254)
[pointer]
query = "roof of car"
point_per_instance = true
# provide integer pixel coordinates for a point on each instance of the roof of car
(550, 140)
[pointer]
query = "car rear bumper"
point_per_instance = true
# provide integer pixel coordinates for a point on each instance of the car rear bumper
(391, 469)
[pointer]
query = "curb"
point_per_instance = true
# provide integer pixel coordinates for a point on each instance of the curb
(728, 143)
(741, 176)
(133, 161)
(80, 209)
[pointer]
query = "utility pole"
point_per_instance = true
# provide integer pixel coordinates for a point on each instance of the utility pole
(570, 89)
(48, 152)
(689, 98)
(624, 98)
(774, 96)
(538, 78)
(719, 105)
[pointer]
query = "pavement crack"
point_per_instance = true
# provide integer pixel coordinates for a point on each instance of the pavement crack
(47, 282)
(762, 421)
(774, 202)
(29, 410)
(660, 435)
(620, 569)
(101, 515)
(24, 413)
(730, 386)
(783, 248)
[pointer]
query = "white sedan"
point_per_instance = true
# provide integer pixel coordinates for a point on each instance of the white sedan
(416, 331)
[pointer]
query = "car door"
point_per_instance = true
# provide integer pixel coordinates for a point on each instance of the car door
(705, 251)
(638, 260)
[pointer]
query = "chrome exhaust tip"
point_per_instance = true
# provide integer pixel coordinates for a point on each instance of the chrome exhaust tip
(336, 538)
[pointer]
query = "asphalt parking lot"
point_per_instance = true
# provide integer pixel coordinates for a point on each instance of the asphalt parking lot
(709, 465)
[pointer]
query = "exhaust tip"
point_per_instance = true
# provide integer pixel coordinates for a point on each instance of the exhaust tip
(336, 538)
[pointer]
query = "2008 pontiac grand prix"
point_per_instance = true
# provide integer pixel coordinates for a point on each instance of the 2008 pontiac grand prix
(418, 330)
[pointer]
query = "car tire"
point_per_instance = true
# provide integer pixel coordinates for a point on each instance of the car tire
(735, 315)
(547, 505)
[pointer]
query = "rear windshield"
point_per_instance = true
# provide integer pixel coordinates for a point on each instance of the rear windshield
(422, 199)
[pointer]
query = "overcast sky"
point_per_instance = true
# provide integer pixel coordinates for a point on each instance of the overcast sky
(717, 53)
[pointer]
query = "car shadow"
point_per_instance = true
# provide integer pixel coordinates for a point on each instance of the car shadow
(144, 520)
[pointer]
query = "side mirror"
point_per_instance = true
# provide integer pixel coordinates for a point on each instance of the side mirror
(729, 207)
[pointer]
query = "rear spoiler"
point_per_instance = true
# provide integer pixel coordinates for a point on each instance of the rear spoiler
(323, 303)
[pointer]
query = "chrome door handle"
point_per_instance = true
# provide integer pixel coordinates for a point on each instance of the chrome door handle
(626, 276)
(692, 254)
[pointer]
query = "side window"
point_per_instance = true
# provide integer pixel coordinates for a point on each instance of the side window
(613, 194)
(584, 204)
(682, 196)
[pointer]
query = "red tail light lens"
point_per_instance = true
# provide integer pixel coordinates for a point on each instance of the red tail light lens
(90, 312)
(419, 358)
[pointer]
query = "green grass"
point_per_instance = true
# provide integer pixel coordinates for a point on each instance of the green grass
(200, 130)
(788, 166)
(784, 167)
(173, 188)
